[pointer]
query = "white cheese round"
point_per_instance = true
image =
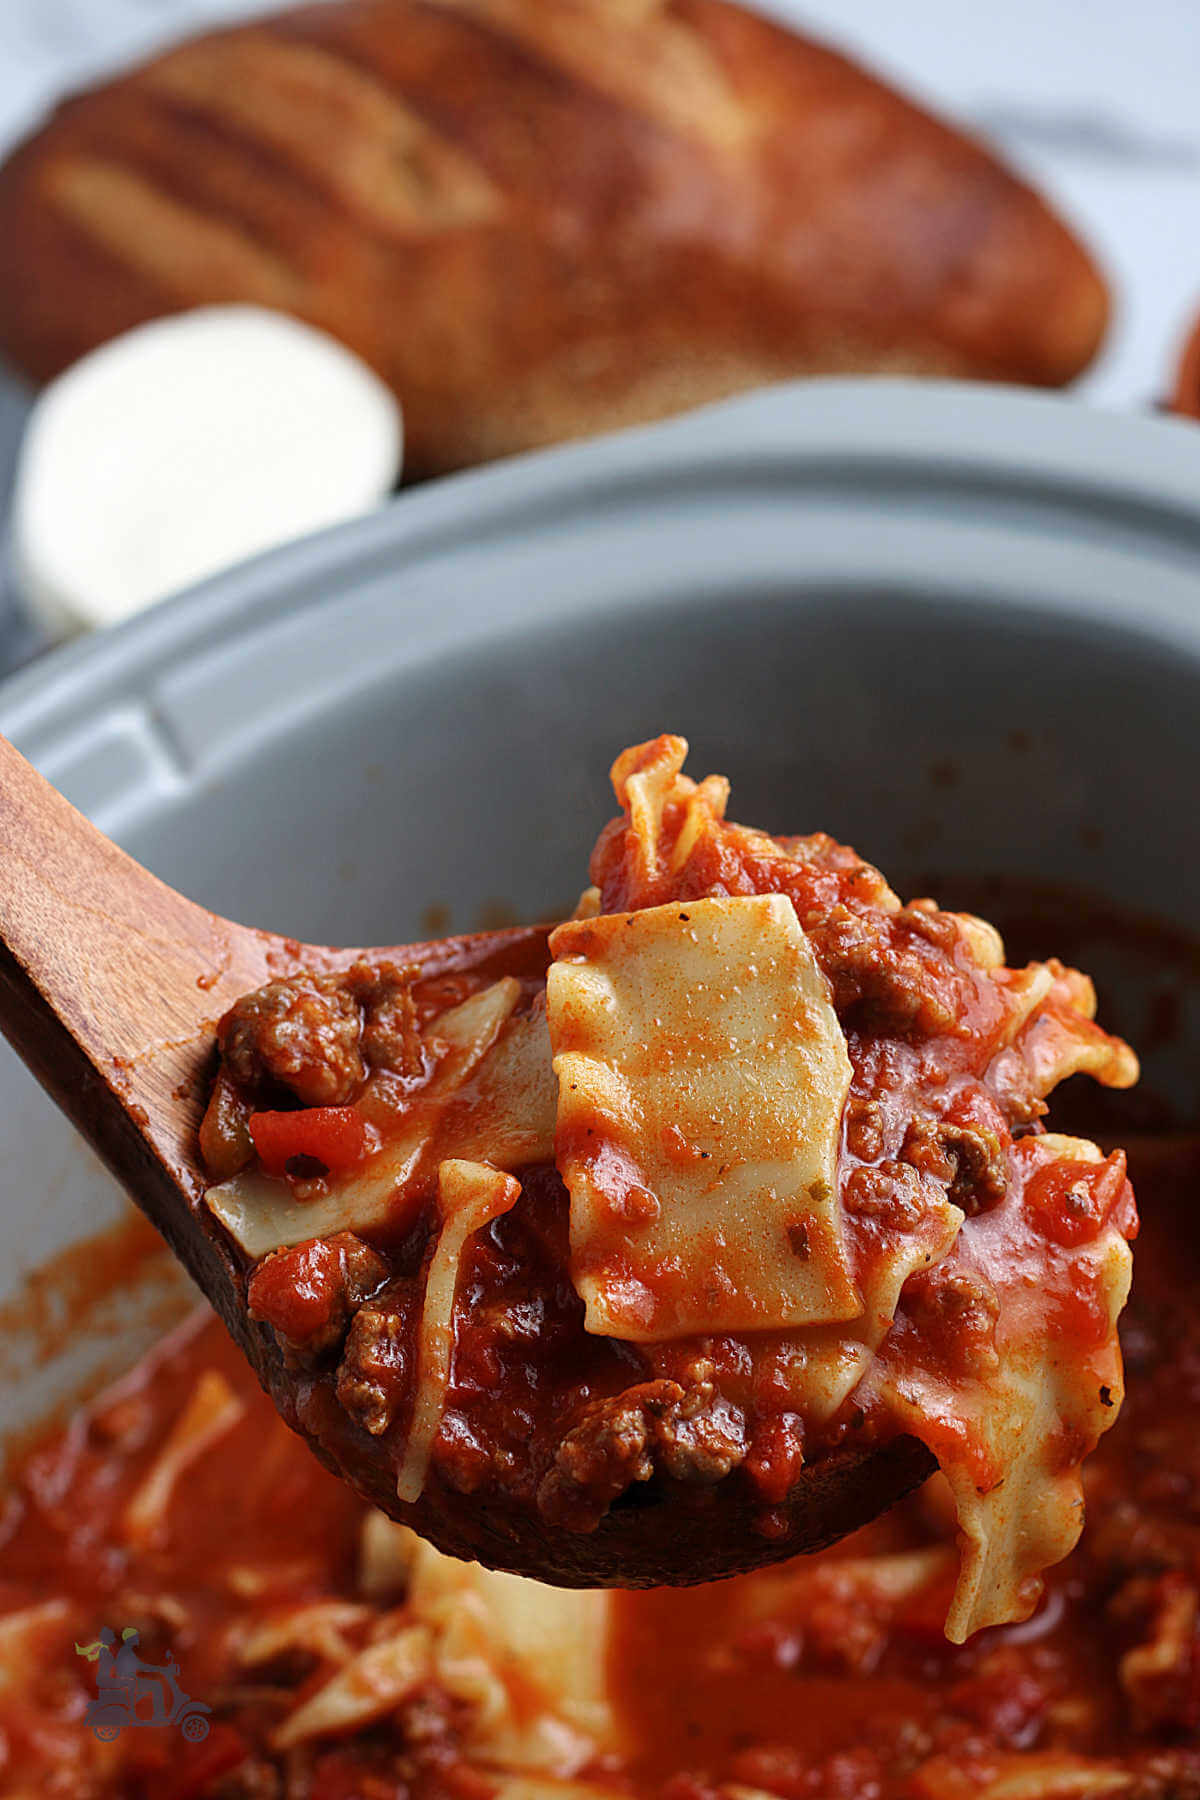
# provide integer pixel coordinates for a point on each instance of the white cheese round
(186, 445)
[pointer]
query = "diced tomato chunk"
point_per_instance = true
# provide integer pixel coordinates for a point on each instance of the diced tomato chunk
(1072, 1202)
(335, 1136)
(309, 1293)
(299, 1291)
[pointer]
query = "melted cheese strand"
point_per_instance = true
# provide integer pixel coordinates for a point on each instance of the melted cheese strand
(470, 1195)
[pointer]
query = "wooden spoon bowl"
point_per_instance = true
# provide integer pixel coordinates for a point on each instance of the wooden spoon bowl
(111, 984)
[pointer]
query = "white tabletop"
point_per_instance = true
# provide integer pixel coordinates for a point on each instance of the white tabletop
(1094, 99)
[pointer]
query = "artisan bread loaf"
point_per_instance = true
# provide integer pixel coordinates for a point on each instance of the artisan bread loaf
(538, 219)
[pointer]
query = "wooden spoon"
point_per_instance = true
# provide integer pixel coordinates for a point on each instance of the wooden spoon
(110, 987)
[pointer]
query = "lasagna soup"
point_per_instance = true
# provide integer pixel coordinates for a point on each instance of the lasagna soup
(746, 1170)
(338, 1657)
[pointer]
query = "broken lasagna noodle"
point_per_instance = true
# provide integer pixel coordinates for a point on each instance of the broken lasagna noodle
(754, 1171)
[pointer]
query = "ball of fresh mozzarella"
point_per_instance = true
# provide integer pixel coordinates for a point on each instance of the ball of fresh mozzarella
(184, 446)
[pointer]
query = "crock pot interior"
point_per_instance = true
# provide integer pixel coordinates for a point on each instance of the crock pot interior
(958, 715)
(941, 736)
(945, 740)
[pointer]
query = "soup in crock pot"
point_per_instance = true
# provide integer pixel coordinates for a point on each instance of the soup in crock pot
(190, 1606)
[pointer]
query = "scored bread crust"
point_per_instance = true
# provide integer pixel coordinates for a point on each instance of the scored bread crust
(539, 219)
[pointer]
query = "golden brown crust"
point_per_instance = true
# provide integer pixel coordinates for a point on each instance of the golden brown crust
(539, 222)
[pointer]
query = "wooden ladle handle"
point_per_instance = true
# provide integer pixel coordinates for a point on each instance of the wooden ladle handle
(109, 979)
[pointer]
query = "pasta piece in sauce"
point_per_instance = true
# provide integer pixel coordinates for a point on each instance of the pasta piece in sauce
(775, 1182)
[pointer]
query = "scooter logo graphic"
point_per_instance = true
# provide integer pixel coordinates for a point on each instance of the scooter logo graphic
(130, 1692)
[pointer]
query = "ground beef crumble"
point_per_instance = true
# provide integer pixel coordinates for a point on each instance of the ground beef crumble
(689, 1435)
(376, 1373)
(317, 1036)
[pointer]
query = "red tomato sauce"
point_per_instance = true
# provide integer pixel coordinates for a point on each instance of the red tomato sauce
(826, 1677)
(814, 1680)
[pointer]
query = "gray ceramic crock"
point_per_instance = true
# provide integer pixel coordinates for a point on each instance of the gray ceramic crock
(958, 627)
